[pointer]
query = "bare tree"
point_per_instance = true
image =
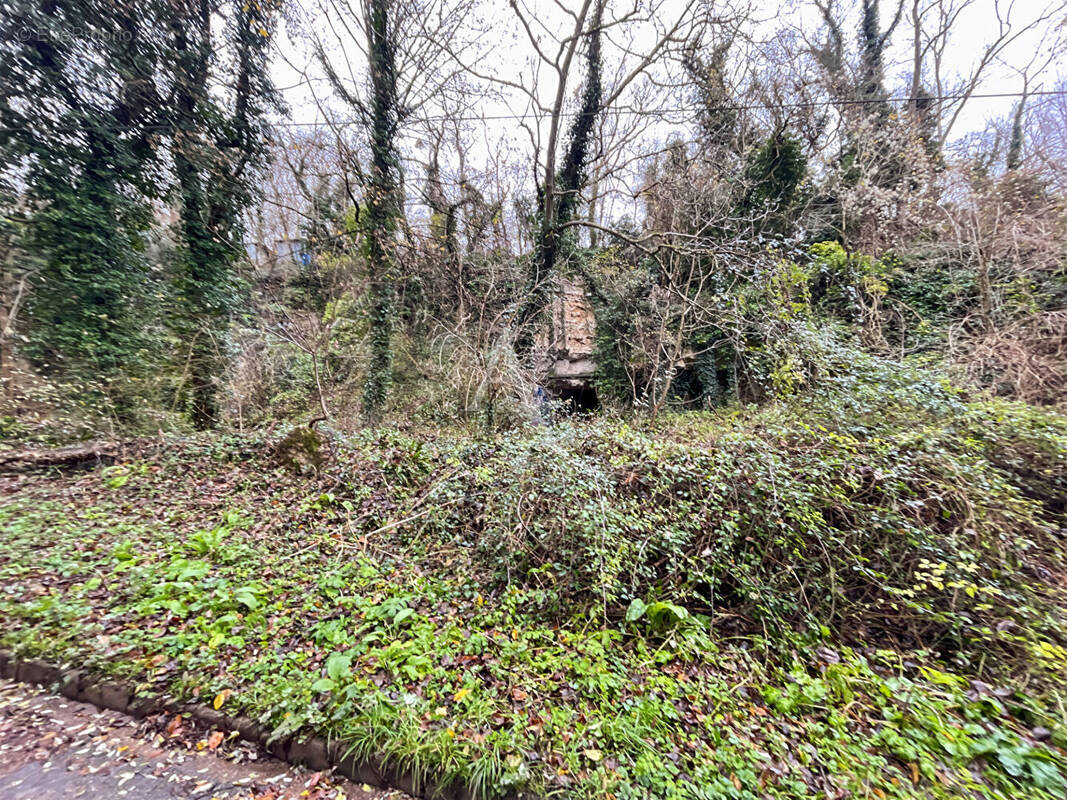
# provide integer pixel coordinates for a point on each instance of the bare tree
(1047, 137)
(380, 60)
(933, 23)
(562, 153)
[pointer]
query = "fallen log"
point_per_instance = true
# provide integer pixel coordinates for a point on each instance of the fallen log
(71, 456)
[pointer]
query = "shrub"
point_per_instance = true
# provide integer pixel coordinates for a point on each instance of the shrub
(884, 505)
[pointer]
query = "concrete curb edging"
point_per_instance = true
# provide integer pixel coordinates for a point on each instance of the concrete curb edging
(312, 752)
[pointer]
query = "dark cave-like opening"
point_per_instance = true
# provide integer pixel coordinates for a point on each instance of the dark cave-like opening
(575, 397)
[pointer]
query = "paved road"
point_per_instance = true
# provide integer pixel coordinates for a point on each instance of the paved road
(52, 748)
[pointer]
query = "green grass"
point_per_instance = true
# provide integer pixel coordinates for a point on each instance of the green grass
(481, 609)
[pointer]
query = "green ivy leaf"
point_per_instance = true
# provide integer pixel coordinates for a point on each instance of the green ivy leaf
(636, 610)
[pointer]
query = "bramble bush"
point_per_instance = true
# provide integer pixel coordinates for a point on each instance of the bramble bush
(884, 505)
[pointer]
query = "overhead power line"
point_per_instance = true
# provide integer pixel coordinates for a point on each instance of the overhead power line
(644, 112)
(748, 107)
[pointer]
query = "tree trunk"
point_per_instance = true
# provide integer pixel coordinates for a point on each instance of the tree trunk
(559, 196)
(382, 207)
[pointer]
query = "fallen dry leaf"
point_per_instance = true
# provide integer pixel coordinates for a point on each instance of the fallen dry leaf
(174, 726)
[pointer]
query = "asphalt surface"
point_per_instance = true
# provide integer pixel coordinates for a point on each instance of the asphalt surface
(52, 748)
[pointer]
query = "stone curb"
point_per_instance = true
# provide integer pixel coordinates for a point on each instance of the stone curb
(309, 751)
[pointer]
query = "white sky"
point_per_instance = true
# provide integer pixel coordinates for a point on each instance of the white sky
(973, 29)
(504, 51)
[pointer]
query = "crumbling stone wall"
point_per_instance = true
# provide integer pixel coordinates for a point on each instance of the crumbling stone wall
(570, 338)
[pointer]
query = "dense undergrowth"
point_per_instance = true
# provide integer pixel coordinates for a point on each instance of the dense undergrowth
(859, 593)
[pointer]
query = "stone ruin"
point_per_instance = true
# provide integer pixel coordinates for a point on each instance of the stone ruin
(568, 343)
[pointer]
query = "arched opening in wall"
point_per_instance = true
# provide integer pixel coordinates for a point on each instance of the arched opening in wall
(575, 397)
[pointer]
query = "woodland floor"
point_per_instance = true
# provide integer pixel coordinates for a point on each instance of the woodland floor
(202, 571)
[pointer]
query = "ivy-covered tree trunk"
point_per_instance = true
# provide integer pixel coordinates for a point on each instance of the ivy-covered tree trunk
(76, 114)
(207, 293)
(214, 152)
(871, 43)
(86, 310)
(560, 194)
(1014, 157)
(198, 265)
(382, 206)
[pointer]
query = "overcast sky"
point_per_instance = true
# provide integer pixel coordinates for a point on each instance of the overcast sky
(508, 51)
(502, 49)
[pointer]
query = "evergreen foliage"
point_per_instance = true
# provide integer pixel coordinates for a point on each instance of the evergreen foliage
(218, 143)
(773, 177)
(382, 205)
(78, 121)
